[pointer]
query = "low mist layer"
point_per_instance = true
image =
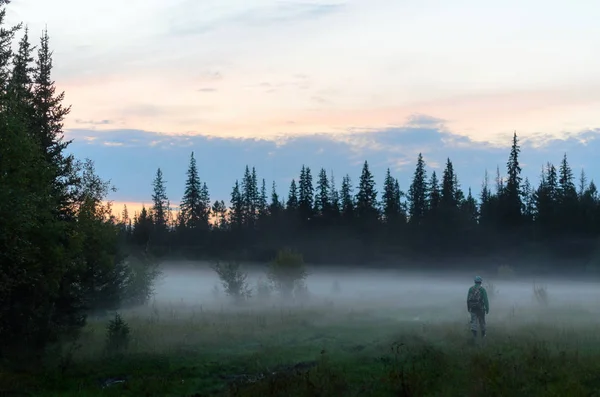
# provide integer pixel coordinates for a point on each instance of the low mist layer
(197, 283)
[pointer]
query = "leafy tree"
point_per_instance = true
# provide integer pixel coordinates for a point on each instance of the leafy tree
(287, 271)
(234, 280)
(220, 212)
(104, 275)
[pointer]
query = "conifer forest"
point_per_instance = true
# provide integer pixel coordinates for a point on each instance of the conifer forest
(359, 221)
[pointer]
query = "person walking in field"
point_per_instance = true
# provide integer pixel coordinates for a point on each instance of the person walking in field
(478, 305)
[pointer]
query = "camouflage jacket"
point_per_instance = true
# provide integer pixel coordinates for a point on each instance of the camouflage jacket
(484, 295)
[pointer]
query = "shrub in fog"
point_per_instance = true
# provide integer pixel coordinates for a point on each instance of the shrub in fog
(540, 294)
(216, 292)
(263, 289)
(286, 271)
(335, 288)
(301, 293)
(506, 272)
(117, 335)
(233, 279)
(491, 289)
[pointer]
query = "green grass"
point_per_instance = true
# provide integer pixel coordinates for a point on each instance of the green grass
(339, 351)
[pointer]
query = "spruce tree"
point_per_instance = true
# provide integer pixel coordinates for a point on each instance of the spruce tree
(20, 84)
(417, 193)
(448, 193)
(511, 202)
(367, 207)
(582, 183)
(249, 197)
(48, 125)
(334, 200)
(390, 200)
(435, 195)
(322, 204)
(469, 209)
(528, 201)
(263, 206)
(275, 207)
(292, 201)
(347, 199)
(192, 207)
(305, 194)
(568, 199)
(487, 200)
(160, 206)
(398, 194)
(236, 211)
(205, 208)
(546, 200)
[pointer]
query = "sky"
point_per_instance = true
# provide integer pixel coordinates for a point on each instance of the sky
(325, 83)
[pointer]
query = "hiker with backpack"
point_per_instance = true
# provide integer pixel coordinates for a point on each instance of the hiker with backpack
(478, 305)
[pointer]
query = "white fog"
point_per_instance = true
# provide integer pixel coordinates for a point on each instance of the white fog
(411, 296)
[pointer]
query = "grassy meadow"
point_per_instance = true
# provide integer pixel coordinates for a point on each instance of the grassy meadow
(330, 345)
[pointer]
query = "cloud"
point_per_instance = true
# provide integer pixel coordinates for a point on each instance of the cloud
(193, 18)
(94, 122)
(323, 72)
(422, 121)
(210, 76)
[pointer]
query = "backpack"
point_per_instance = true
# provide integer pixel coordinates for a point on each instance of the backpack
(475, 299)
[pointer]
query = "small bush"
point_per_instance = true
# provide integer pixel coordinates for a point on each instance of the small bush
(216, 292)
(263, 289)
(540, 294)
(301, 292)
(117, 335)
(286, 270)
(491, 289)
(233, 280)
(506, 272)
(335, 288)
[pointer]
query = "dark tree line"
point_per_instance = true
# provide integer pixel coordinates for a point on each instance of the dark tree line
(61, 253)
(433, 218)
